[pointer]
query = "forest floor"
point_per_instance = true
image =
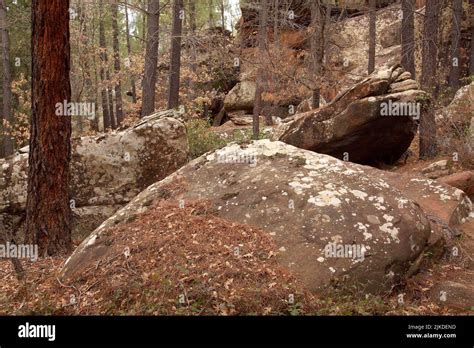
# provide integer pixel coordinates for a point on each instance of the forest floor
(189, 266)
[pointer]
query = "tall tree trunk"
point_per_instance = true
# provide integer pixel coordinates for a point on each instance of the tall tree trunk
(372, 33)
(318, 22)
(471, 55)
(430, 48)
(144, 23)
(192, 27)
(7, 78)
(408, 37)
(222, 8)
(151, 58)
(103, 64)
(116, 46)
(471, 58)
(276, 23)
(175, 65)
(428, 77)
(110, 98)
(257, 108)
(129, 51)
(455, 45)
(48, 212)
(211, 13)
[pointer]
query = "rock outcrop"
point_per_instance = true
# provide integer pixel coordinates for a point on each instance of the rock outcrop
(456, 122)
(334, 222)
(374, 121)
(107, 171)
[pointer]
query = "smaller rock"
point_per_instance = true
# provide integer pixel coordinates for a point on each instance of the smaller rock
(25, 149)
(391, 35)
(463, 181)
(454, 295)
(241, 97)
(437, 169)
(403, 86)
(403, 76)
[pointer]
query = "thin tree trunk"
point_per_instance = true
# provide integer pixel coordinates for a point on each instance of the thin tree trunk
(257, 108)
(151, 58)
(276, 23)
(318, 22)
(408, 37)
(175, 65)
(103, 63)
(116, 47)
(144, 23)
(455, 45)
(471, 58)
(372, 22)
(192, 26)
(7, 78)
(222, 8)
(211, 13)
(48, 212)
(430, 48)
(428, 77)
(129, 51)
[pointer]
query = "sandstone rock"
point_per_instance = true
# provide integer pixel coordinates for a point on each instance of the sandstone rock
(110, 169)
(403, 76)
(306, 201)
(438, 169)
(459, 111)
(454, 295)
(240, 118)
(87, 219)
(403, 86)
(306, 105)
(360, 125)
(391, 35)
(241, 97)
(463, 181)
(446, 205)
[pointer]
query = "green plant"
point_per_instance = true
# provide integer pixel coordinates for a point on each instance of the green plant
(201, 139)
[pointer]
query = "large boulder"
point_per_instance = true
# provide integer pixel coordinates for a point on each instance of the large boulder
(334, 222)
(107, 170)
(366, 124)
(456, 123)
(241, 97)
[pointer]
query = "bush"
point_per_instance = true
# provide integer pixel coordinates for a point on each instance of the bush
(202, 139)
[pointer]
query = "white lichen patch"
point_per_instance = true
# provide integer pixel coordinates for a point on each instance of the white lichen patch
(359, 194)
(299, 187)
(390, 229)
(325, 198)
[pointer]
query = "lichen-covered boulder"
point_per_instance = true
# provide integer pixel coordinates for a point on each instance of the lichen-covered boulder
(334, 222)
(241, 97)
(374, 121)
(107, 170)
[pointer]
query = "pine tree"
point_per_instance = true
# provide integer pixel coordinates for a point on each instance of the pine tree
(48, 212)
(151, 57)
(408, 36)
(175, 65)
(7, 78)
